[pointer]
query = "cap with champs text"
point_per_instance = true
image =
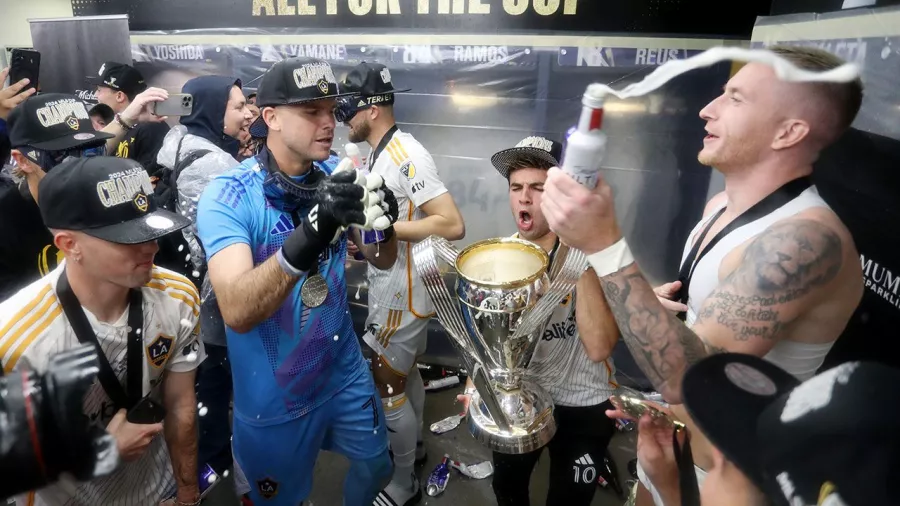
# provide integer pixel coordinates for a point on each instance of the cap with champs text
(105, 197)
(829, 441)
(53, 122)
(294, 81)
(119, 77)
(542, 148)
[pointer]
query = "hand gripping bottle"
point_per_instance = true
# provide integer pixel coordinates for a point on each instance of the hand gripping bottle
(586, 145)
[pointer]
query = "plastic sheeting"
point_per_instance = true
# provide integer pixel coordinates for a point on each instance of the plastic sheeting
(859, 176)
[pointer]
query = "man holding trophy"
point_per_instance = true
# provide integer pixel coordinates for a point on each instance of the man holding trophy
(571, 356)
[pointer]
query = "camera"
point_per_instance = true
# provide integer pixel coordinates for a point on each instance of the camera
(43, 429)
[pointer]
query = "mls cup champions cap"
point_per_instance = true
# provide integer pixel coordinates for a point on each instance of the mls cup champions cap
(106, 197)
(53, 122)
(540, 147)
(294, 81)
(832, 440)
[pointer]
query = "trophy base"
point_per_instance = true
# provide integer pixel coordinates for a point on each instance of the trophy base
(530, 412)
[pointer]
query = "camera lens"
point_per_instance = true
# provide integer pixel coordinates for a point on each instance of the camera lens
(43, 431)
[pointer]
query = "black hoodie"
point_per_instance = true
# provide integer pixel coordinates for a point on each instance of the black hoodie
(207, 119)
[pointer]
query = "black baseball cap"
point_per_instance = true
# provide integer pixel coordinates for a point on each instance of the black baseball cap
(106, 197)
(53, 122)
(294, 81)
(120, 77)
(539, 147)
(833, 437)
(371, 80)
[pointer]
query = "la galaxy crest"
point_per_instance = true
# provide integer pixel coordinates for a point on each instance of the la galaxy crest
(159, 350)
(323, 86)
(408, 170)
(268, 488)
(141, 203)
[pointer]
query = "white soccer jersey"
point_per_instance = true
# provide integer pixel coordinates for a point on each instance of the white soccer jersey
(561, 365)
(409, 171)
(33, 328)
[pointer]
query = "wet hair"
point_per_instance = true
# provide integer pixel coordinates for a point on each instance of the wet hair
(840, 101)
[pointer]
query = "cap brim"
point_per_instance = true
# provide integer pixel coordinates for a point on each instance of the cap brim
(305, 100)
(503, 160)
(147, 228)
(70, 141)
(725, 394)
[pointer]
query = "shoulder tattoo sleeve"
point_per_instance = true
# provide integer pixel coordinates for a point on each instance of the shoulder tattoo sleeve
(780, 267)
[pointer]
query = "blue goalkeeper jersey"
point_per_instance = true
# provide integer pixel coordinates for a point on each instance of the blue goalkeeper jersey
(299, 357)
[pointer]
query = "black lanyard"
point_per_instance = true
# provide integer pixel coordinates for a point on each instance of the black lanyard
(381, 145)
(85, 334)
(786, 193)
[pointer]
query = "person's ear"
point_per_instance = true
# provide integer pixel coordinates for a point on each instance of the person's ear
(121, 97)
(270, 116)
(374, 112)
(790, 133)
(67, 243)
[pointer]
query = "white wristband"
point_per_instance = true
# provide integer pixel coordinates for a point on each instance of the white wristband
(612, 259)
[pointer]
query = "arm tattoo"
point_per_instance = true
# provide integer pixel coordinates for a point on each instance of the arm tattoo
(662, 345)
(779, 267)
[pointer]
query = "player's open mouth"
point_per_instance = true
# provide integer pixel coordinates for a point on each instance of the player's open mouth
(524, 220)
(710, 137)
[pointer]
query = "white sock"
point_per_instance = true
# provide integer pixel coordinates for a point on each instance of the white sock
(401, 423)
(415, 391)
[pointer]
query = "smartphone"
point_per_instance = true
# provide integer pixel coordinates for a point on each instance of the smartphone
(206, 480)
(636, 408)
(25, 64)
(178, 104)
(146, 411)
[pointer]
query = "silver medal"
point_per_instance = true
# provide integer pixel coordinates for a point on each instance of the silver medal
(314, 291)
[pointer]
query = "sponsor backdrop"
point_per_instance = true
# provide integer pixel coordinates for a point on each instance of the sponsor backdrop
(859, 176)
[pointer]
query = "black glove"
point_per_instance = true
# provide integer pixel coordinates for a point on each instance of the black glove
(392, 212)
(338, 204)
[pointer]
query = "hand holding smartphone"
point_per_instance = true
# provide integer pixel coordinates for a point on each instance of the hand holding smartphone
(178, 104)
(25, 64)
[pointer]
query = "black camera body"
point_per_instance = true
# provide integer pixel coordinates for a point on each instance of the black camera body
(43, 429)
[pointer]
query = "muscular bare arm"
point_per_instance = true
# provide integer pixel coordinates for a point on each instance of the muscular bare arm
(444, 219)
(247, 295)
(180, 431)
(783, 272)
(596, 325)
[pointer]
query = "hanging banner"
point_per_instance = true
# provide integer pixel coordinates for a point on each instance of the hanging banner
(620, 57)
(472, 16)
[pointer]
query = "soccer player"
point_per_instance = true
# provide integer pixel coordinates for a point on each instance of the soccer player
(272, 230)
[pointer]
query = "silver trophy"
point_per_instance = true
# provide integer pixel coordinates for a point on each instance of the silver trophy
(506, 291)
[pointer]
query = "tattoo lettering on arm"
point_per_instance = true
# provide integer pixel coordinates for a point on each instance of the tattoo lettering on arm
(778, 269)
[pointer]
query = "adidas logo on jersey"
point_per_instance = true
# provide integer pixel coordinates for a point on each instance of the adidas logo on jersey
(585, 460)
(283, 226)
